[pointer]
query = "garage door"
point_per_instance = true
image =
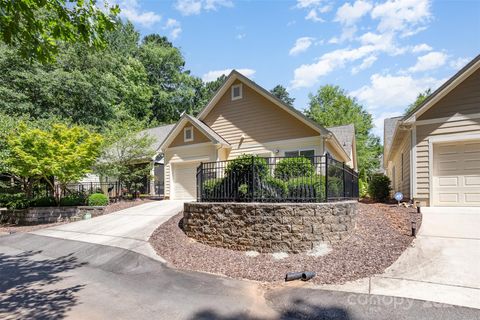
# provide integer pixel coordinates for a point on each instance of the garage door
(184, 181)
(456, 174)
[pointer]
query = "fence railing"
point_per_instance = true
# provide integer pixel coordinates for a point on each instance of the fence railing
(276, 179)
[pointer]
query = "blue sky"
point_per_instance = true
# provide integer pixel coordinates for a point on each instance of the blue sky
(382, 52)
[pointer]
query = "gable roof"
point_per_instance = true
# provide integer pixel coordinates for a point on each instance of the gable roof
(235, 75)
(158, 133)
(345, 135)
(202, 127)
(389, 126)
(444, 89)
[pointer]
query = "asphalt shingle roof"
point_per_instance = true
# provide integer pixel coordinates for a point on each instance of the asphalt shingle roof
(389, 125)
(158, 133)
(344, 135)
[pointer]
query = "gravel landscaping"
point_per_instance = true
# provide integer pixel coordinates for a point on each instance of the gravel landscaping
(381, 235)
(115, 206)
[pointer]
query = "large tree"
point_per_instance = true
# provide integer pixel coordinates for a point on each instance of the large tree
(331, 106)
(66, 153)
(281, 93)
(37, 28)
(422, 96)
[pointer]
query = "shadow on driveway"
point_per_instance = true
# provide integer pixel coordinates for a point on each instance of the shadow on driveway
(24, 281)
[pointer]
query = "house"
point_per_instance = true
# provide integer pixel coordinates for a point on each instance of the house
(432, 154)
(244, 118)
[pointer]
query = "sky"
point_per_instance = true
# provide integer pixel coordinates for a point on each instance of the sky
(382, 52)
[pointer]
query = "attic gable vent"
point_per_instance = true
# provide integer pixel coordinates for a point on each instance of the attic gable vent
(237, 92)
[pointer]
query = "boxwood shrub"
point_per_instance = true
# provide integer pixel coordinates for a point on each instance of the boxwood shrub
(379, 187)
(97, 199)
(73, 199)
(288, 168)
(43, 202)
(307, 187)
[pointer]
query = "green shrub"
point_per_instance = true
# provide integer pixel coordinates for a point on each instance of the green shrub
(294, 167)
(240, 171)
(335, 187)
(243, 191)
(14, 200)
(73, 199)
(307, 187)
(97, 199)
(363, 188)
(379, 187)
(271, 188)
(43, 202)
(212, 188)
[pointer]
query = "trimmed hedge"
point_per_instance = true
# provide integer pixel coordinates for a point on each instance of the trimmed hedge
(97, 199)
(288, 168)
(14, 200)
(43, 202)
(307, 187)
(379, 187)
(74, 199)
(240, 168)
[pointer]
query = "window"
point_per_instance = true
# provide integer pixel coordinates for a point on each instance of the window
(188, 134)
(302, 153)
(237, 92)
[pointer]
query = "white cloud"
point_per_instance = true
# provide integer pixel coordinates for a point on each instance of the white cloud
(366, 63)
(213, 75)
(308, 3)
(308, 74)
(313, 16)
(459, 63)
(430, 61)
(193, 7)
(401, 15)
(421, 48)
(173, 26)
(301, 45)
(393, 92)
(348, 33)
(241, 36)
(130, 9)
(348, 14)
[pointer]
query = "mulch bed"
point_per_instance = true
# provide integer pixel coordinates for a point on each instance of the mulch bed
(115, 206)
(381, 235)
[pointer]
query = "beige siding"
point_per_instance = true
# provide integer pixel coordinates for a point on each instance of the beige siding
(256, 118)
(402, 173)
(463, 100)
(424, 132)
(198, 137)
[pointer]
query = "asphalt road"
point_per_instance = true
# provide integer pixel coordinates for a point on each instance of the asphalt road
(48, 278)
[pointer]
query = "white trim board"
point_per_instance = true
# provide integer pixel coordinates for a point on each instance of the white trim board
(459, 117)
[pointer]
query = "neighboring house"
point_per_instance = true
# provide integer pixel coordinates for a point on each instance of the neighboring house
(244, 118)
(432, 154)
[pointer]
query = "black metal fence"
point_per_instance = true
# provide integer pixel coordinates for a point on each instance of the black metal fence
(276, 179)
(112, 189)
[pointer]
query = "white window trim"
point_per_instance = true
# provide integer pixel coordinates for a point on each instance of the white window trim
(241, 91)
(300, 149)
(185, 134)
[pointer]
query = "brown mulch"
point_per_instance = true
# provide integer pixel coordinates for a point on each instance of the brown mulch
(112, 207)
(381, 235)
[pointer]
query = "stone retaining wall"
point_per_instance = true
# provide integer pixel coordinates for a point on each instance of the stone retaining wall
(269, 227)
(41, 215)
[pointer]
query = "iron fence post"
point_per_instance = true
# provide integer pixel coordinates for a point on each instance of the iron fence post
(253, 178)
(326, 177)
(344, 182)
(201, 181)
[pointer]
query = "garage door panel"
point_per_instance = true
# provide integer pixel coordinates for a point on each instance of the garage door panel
(184, 181)
(456, 174)
(448, 181)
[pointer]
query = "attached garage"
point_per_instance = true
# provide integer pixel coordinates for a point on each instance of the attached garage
(184, 181)
(456, 174)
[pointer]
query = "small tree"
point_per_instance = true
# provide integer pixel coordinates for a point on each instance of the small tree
(127, 153)
(65, 153)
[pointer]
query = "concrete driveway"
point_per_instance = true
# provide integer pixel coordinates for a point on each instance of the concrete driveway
(128, 229)
(443, 265)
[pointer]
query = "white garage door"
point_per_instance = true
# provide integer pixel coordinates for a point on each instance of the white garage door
(184, 181)
(456, 174)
